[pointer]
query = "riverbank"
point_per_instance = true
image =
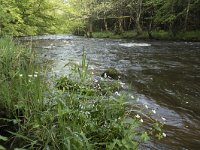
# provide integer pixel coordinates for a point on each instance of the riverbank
(192, 36)
(76, 113)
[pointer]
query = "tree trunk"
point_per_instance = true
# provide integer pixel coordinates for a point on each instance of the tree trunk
(150, 25)
(120, 21)
(171, 25)
(186, 15)
(105, 24)
(138, 27)
(130, 22)
(90, 30)
(138, 15)
(149, 30)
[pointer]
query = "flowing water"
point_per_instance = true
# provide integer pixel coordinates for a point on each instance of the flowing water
(165, 76)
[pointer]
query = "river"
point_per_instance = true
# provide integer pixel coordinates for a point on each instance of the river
(164, 75)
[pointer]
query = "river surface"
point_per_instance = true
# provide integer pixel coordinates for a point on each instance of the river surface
(165, 76)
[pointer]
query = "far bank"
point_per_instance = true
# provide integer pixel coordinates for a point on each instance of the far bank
(193, 36)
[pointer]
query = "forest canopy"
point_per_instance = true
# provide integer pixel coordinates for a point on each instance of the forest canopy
(30, 17)
(33, 17)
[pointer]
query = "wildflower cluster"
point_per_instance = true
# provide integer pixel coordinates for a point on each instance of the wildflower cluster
(30, 76)
(159, 125)
(35, 75)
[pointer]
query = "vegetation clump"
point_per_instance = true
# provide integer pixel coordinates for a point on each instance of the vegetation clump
(111, 73)
(71, 115)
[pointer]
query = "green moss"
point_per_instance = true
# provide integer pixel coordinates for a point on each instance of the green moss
(111, 72)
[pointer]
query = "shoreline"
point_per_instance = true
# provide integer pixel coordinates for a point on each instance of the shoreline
(190, 36)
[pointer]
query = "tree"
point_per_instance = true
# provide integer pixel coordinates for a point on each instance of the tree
(84, 12)
(29, 17)
(104, 10)
(11, 20)
(135, 9)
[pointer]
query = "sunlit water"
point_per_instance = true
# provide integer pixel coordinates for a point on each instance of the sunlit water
(165, 76)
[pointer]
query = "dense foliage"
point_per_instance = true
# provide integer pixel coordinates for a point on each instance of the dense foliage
(138, 15)
(31, 17)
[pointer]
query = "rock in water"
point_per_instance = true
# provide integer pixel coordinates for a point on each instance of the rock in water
(111, 73)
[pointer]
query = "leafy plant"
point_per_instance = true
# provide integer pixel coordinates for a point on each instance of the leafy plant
(72, 115)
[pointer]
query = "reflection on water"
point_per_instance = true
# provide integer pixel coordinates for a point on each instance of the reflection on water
(164, 75)
(134, 44)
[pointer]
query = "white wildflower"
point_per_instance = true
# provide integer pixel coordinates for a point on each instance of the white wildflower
(87, 113)
(81, 106)
(105, 75)
(21, 75)
(137, 116)
(92, 73)
(146, 106)
(154, 111)
(117, 93)
(132, 96)
(30, 75)
(29, 81)
(186, 102)
(35, 75)
(96, 80)
(121, 83)
(164, 134)
(141, 120)
(163, 118)
(36, 72)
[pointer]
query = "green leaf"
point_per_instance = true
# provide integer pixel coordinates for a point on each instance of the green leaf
(145, 137)
(2, 148)
(112, 145)
(3, 138)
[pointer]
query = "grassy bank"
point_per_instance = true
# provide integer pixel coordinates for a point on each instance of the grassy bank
(158, 35)
(21, 91)
(76, 113)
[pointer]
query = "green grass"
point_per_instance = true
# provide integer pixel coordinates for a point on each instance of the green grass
(159, 35)
(162, 35)
(17, 64)
(21, 87)
(105, 34)
(189, 35)
(123, 35)
(74, 114)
